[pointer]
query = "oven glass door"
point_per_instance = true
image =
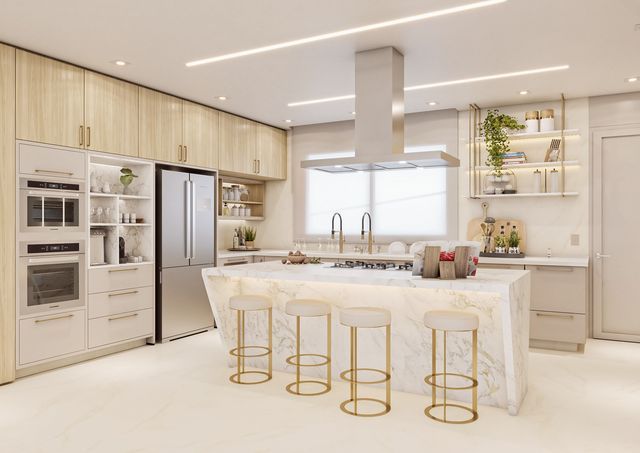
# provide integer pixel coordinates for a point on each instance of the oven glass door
(49, 211)
(52, 283)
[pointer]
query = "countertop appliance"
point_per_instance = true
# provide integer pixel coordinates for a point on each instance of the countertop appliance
(51, 276)
(186, 244)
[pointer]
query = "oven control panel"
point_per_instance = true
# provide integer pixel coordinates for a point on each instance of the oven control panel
(52, 185)
(53, 248)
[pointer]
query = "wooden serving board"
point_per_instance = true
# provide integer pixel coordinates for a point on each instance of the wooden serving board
(474, 231)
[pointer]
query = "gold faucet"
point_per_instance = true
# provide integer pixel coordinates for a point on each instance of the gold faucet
(333, 232)
(370, 234)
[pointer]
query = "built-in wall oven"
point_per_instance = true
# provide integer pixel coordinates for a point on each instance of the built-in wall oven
(51, 205)
(51, 276)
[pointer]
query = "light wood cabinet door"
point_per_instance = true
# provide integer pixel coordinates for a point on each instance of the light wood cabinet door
(271, 152)
(200, 135)
(7, 215)
(160, 126)
(237, 145)
(111, 115)
(49, 101)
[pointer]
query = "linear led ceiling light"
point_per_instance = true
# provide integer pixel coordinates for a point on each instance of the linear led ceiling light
(442, 84)
(349, 31)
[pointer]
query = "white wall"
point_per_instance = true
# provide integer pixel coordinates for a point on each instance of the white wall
(549, 222)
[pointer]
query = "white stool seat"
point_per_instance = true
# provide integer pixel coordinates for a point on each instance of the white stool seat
(307, 307)
(365, 317)
(451, 320)
(250, 302)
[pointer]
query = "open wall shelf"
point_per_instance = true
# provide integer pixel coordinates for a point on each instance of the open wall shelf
(254, 199)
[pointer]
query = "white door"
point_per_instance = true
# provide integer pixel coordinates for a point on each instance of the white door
(616, 249)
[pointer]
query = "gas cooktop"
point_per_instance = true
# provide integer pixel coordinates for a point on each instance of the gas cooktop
(377, 265)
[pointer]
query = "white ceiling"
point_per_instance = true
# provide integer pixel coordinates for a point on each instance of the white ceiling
(595, 37)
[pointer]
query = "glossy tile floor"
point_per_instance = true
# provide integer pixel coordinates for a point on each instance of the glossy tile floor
(176, 398)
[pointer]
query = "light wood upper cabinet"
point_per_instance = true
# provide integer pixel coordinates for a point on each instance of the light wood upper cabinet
(49, 100)
(271, 152)
(237, 144)
(200, 135)
(160, 126)
(111, 115)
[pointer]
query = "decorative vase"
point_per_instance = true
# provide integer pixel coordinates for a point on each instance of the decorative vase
(249, 244)
(514, 250)
(501, 250)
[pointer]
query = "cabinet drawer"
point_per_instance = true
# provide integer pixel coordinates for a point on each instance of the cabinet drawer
(235, 261)
(46, 337)
(41, 160)
(112, 329)
(102, 280)
(114, 302)
(551, 326)
(558, 288)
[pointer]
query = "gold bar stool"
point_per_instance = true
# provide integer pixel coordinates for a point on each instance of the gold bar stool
(452, 321)
(309, 308)
(358, 318)
(243, 304)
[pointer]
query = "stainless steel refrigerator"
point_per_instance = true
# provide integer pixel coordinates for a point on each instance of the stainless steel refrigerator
(187, 244)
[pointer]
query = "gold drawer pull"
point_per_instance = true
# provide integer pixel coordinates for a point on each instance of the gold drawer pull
(57, 317)
(55, 172)
(132, 315)
(554, 315)
(555, 268)
(123, 270)
(123, 294)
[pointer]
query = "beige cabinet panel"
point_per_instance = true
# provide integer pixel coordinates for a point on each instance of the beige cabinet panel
(7, 214)
(237, 144)
(49, 100)
(558, 327)
(160, 126)
(111, 115)
(558, 289)
(116, 328)
(200, 135)
(103, 279)
(271, 152)
(47, 337)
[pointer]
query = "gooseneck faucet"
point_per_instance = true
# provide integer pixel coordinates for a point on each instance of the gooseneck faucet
(333, 231)
(370, 234)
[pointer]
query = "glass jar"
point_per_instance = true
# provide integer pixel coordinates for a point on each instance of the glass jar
(244, 194)
(498, 182)
(236, 193)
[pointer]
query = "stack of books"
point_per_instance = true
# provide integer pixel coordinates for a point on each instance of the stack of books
(514, 158)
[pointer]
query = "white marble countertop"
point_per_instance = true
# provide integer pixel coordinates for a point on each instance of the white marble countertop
(489, 280)
(582, 261)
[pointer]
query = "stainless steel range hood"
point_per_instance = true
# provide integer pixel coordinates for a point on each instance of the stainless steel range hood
(379, 127)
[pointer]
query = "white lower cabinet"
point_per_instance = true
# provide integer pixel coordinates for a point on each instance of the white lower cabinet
(103, 279)
(123, 326)
(121, 301)
(51, 336)
(558, 327)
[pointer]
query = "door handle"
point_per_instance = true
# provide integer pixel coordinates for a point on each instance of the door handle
(179, 153)
(81, 135)
(53, 319)
(185, 153)
(193, 219)
(115, 318)
(123, 270)
(259, 166)
(125, 293)
(554, 315)
(187, 220)
(88, 136)
(55, 260)
(55, 172)
(600, 256)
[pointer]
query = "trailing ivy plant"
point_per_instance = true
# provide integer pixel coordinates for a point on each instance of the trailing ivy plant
(495, 128)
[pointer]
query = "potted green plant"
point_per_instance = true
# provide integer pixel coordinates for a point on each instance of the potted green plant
(126, 178)
(500, 241)
(249, 234)
(496, 127)
(514, 242)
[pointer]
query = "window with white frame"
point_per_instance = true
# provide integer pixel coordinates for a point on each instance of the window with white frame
(403, 203)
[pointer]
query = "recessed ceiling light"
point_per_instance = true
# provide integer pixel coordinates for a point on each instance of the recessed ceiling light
(353, 113)
(287, 121)
(432, 103)
(524, 92)
(442, 84)
(349, 31)
(120, 63)
(632, 79)
(221, 98)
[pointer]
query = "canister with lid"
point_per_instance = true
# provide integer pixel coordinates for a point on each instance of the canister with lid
(531, 120)
(547, 121)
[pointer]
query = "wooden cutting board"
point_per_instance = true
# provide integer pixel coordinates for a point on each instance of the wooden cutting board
(474, 231)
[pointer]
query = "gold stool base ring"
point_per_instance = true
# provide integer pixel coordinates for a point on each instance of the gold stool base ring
(473, 418)
(290, 388)
(346, 410)
(237, 377)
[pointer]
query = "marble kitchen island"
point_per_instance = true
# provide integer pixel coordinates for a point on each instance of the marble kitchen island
(500, 298)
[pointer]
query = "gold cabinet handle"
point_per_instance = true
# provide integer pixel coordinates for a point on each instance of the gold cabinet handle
(55, 172)
(554, 315)
(259, 166)
(81, 135)
(125, 293)
(554, 268)
(70, 315)
(185, 153)
(179, 153)
(88, 136)
(123, 270)
(115, 318)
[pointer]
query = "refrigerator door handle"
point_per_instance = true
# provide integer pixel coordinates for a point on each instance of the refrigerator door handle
(187, 220)
(192, 236)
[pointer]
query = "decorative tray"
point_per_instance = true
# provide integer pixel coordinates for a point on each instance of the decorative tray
(244, 250)
(502, 255)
